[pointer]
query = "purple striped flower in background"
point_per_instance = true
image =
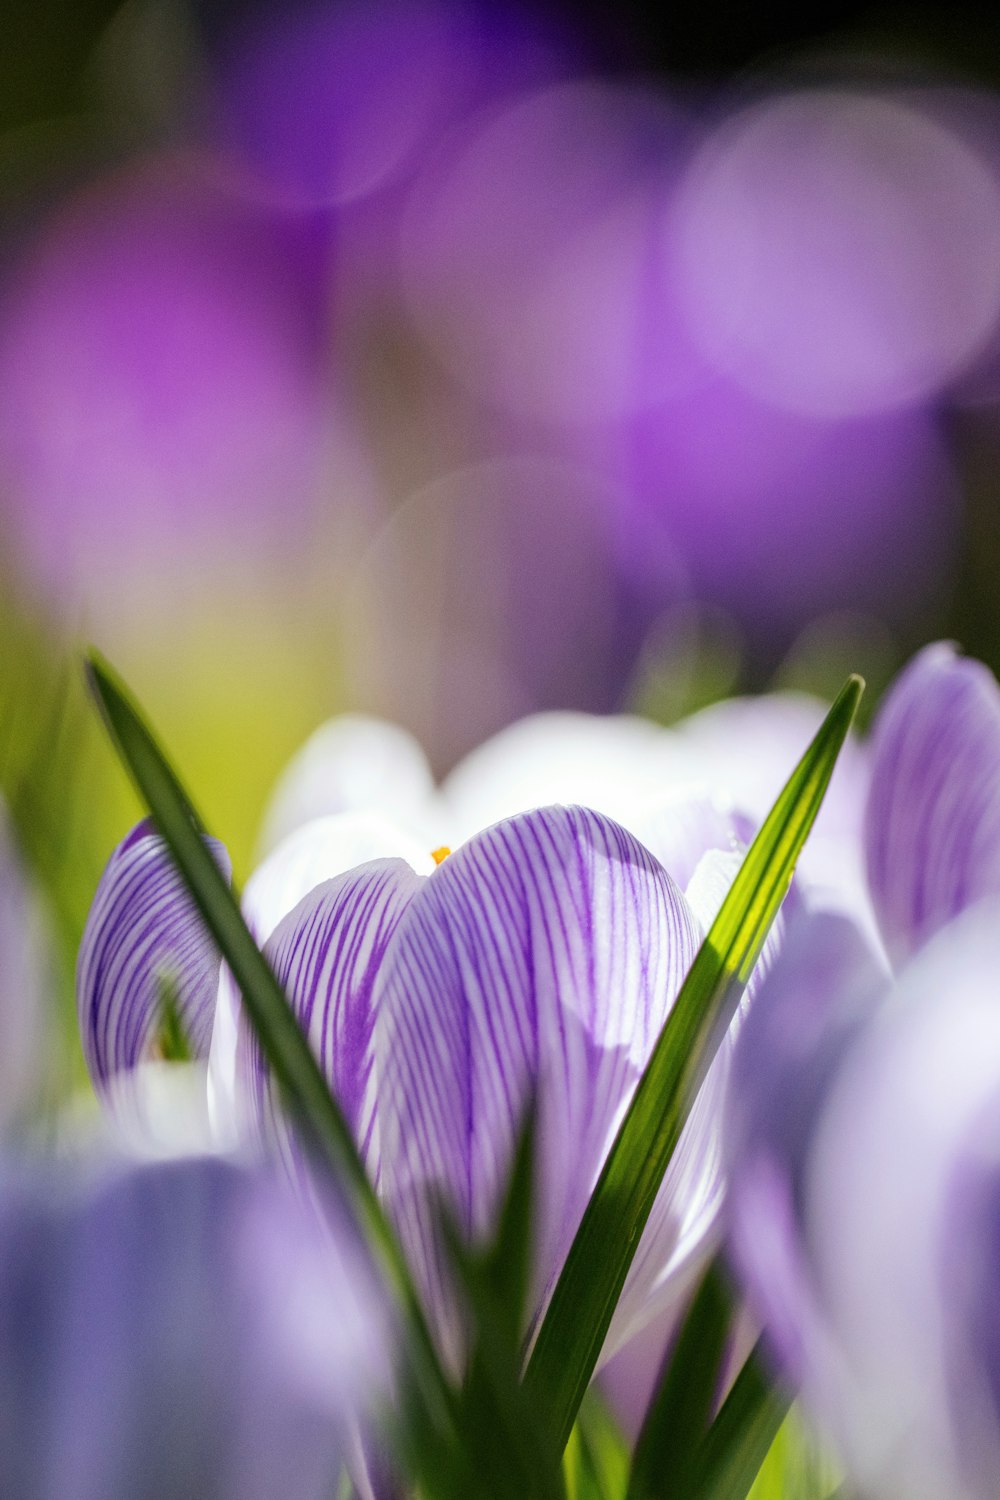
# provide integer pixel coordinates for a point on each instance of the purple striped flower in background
(184, 1329)
(932, 831)
(862, 1136)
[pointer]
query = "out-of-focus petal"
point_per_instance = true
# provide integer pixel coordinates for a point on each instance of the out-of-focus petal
(158, 1110)
(318, 851)
(685, 1223)
(542, 956)
(615, 764)
(684, 826)
(748, 747)
(143, 932)
(838, 250)
(932, 824)
(904, 1169)
(26, 979)
(327, 954)
(823, 989)
(313, 854)
(184, 1329)
(355, 763)
(623, 766)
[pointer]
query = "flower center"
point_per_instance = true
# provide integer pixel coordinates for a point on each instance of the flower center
(440, 855)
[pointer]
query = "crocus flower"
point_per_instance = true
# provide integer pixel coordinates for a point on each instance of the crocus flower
(177, 1330)
(539, 959)
(862, 1132)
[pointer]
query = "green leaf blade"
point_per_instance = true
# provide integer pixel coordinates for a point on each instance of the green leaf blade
(679, 1412)
(288, 1054)
(738, 1441)
(572, 1333)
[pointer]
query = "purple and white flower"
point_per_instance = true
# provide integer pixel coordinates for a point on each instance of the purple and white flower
(862, 1134)
(541, 958)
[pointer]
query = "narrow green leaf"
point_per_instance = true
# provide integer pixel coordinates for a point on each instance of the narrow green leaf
(506, 1262)
(292, 1063)
(499, 1447)
(576, 1322)
(679, 1413)
(738, 1440)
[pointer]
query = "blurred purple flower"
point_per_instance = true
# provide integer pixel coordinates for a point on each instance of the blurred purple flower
(533, 256)
(159, 380)
(862, 1133)
(567, 259)
(781, 515)
(327, 103)
(178, 1330)
(863, 1155)
(495, 591)
(839, 251)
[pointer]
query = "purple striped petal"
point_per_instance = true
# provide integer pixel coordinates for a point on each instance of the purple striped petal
(542, 956)
(326, 954)
(932, 825)
(143, 929)
(316, 852)
(824, 987)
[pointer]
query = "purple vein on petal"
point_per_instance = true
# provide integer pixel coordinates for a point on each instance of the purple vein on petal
(543, 955)
(326, 954)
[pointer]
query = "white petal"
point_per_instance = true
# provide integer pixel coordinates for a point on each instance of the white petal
(615, 765)
(313, 854)
(354, 763)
